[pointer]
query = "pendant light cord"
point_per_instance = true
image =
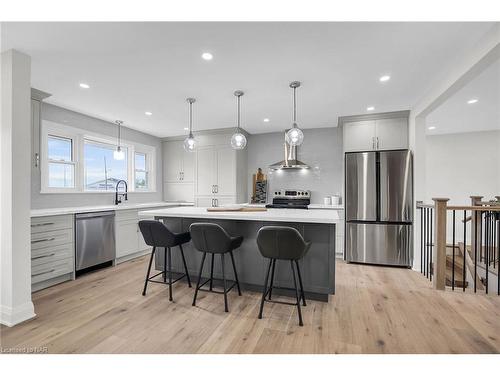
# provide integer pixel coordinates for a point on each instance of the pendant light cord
(294, 107)
(190, 119)
(238, 128)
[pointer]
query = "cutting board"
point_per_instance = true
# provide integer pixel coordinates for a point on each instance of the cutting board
(236, 209)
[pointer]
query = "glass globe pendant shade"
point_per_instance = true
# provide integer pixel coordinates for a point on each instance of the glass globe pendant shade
(190, 143)
(294, 137)
(118, 154)
(238, 141)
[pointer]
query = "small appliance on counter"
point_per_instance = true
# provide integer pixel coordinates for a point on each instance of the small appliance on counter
(290, 199)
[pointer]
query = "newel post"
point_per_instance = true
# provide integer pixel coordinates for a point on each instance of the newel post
(439, 258)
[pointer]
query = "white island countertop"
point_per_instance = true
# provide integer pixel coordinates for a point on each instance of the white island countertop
(121, 206)
(272, 214)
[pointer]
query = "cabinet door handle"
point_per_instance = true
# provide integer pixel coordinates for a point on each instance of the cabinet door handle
(43, 273)
(43, 240)
(43, 256)
(216, 188)
(377, 143)
(373, 143)
(216, 202)
(41, 225)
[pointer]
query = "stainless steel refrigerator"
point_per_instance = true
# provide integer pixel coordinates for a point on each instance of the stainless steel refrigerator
(379, 207)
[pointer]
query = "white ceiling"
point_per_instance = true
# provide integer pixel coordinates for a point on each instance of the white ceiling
(457, 116)
(138, 67)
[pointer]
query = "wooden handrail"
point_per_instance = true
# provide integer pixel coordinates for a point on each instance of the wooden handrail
(473, 208)
(424, 205)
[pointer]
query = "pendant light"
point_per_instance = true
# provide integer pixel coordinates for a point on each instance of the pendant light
(190, 142)
(238, 140)
(295, 136)
(118, 154)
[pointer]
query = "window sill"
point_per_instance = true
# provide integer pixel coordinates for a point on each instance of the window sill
(93, 192)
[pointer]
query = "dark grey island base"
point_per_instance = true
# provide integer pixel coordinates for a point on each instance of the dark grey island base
(317, 267)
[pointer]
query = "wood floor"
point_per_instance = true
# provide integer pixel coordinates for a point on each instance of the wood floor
(375, 310)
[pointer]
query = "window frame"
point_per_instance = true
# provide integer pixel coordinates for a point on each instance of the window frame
(78, 137)
(146, 170)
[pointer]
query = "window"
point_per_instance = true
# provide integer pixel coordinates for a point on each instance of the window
(61, 168)
(141, 172)
(101, 170)
(74, 160)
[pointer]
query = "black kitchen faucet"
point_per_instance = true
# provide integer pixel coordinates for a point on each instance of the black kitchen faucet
(118, 194)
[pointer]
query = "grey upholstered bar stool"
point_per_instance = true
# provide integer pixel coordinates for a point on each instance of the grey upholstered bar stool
(156, 234)
(212, 238)
(282, 243)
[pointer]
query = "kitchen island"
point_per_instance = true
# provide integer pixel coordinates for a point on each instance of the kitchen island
(317, 226)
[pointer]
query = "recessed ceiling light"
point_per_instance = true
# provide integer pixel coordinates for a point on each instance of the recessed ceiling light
(207, 56)
(84, 86)
(371, 108)
(384, 78)
(266, 120)
(147, 113)
(431, 127)
(472, 101)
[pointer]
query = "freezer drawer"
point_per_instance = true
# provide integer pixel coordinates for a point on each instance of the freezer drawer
(361, 186)
(385, 244)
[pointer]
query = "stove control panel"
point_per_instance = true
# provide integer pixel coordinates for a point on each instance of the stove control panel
(292, 194)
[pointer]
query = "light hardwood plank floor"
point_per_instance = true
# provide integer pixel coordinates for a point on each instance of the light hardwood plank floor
(375, 310)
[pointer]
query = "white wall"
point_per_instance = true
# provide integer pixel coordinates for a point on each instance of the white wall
(15, 260)
(71, 118)
(322, 150)
(461, 165)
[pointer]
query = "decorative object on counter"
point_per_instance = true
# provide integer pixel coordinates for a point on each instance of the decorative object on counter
(335, 200)
(327, 201)
(190, 142)
(259, 187)
(295, 136)
(118, 154)
(238, 140)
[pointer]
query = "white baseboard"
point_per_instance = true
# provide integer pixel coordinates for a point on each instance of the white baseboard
(12, 316)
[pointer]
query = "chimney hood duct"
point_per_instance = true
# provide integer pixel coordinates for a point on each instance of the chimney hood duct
(290, 161)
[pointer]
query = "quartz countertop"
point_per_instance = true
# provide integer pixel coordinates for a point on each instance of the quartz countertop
(122, 206)
(272, 214)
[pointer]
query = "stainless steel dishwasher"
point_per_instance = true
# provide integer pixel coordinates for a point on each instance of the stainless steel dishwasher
(95, 239)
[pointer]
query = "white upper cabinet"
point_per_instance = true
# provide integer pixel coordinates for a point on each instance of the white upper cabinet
(178, 165)
(392, 134)
(359, 136)
(216, 171)
(205, 171)
(372, 135)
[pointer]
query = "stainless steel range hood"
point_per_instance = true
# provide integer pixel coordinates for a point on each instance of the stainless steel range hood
(290, 161)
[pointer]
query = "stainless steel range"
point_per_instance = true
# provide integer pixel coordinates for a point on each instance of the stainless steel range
(290, 199)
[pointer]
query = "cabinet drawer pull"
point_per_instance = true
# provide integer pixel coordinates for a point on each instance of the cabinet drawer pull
(43, 256)
(43, 240)
(41, 224)
(43, 273)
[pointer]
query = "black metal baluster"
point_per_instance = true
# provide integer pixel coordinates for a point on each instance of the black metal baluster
(465, 248)
(427, 242)
(453, 256)
(421, 240)
(487, 243)
(498, 257)
(475, 250)
(431, 244)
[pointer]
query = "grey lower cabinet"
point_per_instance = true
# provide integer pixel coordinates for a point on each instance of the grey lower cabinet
(52, 250)
(317, 267)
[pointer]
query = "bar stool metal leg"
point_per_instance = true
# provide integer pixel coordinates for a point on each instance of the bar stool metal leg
(264, 291)
(199, 278)
(272, 279)
(170, 274)
(212, 272)
(226, 309)
(300, 283)
(185, 266)
(296, 294)
(165, 265)
(235, 273)
(149, 271)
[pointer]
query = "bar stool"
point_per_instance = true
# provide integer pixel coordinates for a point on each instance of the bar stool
(282, 243)
(212, 238)
(156, 234)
